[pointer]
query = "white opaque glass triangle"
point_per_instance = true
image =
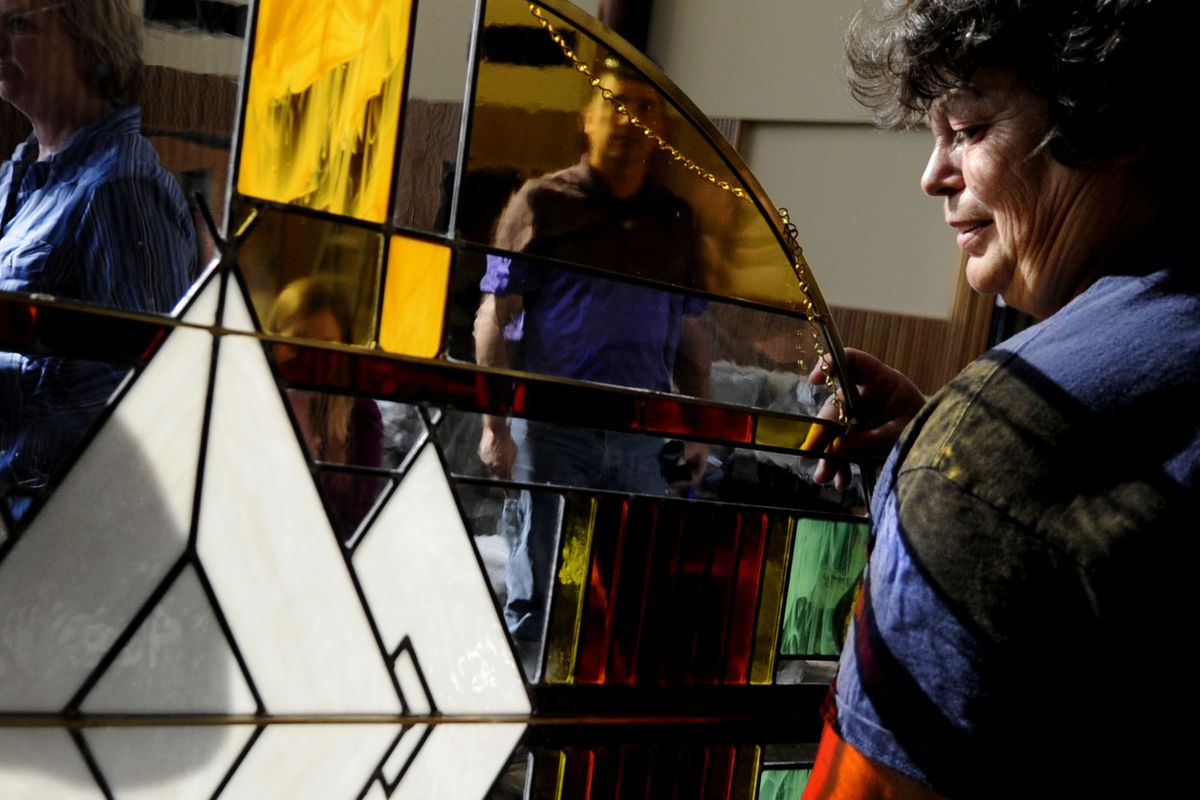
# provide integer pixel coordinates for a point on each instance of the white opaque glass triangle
(43, 763)
(440, 769)
(410, 684)
(422, 579)
(409, 743)
(330, 762)
(237, 316)
(180, 763)
(201, 307)
(272, 558)
(179, 661)
(107, 536)
(376, 792)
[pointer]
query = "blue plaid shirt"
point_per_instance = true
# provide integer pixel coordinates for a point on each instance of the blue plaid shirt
(100, 221)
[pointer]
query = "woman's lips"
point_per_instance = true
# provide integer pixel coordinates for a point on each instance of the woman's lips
(968, 232)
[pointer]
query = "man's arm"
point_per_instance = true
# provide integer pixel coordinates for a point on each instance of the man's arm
(693, 362)
(497, 449)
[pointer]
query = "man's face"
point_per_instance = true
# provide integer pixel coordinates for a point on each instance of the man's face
(613, 143)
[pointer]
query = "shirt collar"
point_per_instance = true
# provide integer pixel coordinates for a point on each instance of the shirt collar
(118, 121)
(589, 181)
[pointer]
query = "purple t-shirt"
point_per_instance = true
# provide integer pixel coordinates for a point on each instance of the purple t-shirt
(585, 326)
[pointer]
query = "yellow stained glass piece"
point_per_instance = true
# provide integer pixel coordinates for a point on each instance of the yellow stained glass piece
(746, 773)
(323, 111)
(566, 612)
(770, 608)
(414, 297)
(773, 431)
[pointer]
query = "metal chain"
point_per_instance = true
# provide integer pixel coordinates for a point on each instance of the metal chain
(659, 142)
(823, 358)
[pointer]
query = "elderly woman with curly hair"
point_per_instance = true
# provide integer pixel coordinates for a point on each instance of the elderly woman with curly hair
(86, 213)
(1032, 521)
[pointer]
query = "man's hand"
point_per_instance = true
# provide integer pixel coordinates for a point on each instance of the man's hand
(695, 455)
(497, 450)
(888, 401)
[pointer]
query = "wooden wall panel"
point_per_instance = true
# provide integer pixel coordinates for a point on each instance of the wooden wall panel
(930, 351)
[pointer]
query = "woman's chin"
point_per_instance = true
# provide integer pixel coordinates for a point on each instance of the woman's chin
(985, 276)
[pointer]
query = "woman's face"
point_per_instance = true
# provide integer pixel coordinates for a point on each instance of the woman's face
(322, 326)
(1032, 229)
(39, 61)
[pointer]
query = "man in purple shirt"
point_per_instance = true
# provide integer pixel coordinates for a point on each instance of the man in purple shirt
(604, 212)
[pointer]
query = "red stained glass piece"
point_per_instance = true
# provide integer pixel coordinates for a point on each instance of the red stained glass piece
(560, 402)
(669, 416)
(629, 615)
(603, 580)
(749, 577)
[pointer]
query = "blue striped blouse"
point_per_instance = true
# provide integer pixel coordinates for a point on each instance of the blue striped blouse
(100, 221)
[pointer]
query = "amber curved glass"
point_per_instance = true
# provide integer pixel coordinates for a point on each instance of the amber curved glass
(531, 118)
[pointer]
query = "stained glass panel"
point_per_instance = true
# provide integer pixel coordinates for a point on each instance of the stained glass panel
(187, 763)
(37, 763)
(178, 661)
(333, 761)
(828, 559)
(420, 576)
(309, 614)
(59, 615)
(323, 108)
(278, 592)
(433, 114)
(783, 784)
(534, 115)
(414, 297)
(312, 278)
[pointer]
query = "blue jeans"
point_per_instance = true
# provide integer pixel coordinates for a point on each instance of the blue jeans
(531, 520)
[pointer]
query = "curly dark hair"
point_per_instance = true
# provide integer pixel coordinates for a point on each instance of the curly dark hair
(1103, 66)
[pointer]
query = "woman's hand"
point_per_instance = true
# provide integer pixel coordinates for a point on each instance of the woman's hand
(888, 401)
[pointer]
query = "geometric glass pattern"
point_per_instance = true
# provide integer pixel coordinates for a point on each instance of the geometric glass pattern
(272, 569)
(170, 609)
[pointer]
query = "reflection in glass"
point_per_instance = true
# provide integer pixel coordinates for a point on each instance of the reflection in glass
(644, 591)
(827, 562)
(87, 213)
(433, 114)
(535, 114)
(39, 433)
(756, 356)
(323, 109)
(313, 260)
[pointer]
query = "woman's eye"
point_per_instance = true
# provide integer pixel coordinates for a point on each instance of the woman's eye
(19, 23)
(968, 134)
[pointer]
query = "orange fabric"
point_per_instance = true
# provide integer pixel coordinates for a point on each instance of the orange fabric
(843, 773)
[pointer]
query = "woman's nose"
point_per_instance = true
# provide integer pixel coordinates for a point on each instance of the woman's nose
(942, 175)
